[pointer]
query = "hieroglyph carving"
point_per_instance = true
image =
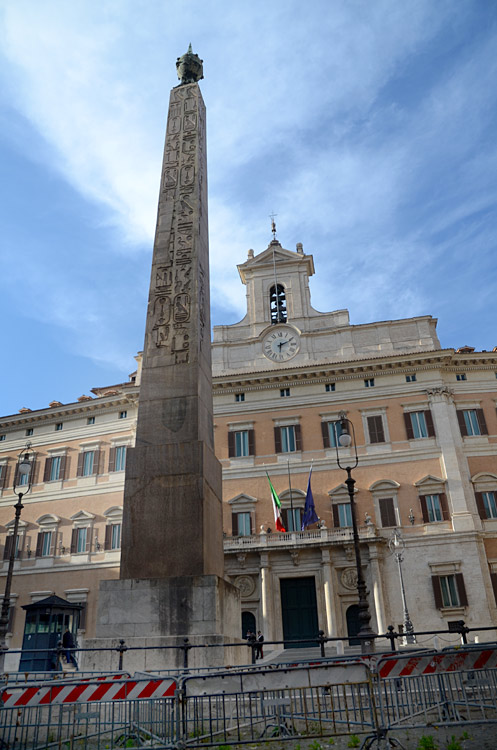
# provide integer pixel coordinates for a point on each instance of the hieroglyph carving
(182, 185)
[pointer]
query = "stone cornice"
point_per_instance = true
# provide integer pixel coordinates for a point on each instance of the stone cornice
(78, 407)
(356, 369)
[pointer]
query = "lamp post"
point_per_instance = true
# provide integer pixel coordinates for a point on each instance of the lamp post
(22, 485)
(397, 546)
(345, 439)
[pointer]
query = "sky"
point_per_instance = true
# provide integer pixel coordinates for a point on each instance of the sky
(368, 128)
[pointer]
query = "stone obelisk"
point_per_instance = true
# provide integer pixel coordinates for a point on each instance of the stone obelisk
(171, 580)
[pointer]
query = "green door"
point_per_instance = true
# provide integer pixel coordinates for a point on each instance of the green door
(299, 610)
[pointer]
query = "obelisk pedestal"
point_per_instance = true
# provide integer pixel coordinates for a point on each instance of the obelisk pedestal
(172, 563)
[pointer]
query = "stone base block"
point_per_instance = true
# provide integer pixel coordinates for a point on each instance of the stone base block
(162, 612)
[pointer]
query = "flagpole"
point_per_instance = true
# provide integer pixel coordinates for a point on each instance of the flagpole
(291, 498)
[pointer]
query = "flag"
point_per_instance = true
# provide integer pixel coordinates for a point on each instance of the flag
(276, 507)
(310, 515)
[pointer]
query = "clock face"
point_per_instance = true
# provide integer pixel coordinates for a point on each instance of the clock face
(281, 344)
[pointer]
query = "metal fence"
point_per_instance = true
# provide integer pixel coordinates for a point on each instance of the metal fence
(368, 696)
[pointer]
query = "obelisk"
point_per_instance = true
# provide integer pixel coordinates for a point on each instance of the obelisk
(172, 521)
(171, 582)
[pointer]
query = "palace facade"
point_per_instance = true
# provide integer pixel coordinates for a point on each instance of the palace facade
(425, 425)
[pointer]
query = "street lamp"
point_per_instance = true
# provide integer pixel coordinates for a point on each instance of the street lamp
(345, 439)
(22, 485)
(397, 546)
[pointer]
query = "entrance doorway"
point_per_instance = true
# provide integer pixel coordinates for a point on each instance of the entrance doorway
(248, 623)
(353, 624)
(299, 610)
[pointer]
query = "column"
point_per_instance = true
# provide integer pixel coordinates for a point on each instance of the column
(453, 462)
(266, 599)
(331, 627)
(377, 588)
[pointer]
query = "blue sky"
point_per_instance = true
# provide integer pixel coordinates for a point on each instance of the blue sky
(369, 128)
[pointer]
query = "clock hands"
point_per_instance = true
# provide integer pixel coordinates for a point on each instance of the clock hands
(282, 343)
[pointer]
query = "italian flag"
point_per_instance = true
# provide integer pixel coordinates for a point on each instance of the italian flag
(276, 507)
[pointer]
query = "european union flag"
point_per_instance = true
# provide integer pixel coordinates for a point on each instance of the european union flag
(310, 515)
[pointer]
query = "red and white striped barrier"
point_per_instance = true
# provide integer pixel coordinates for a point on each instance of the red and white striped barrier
(405, 666)
(85, 692)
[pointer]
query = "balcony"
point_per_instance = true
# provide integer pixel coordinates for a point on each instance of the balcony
(297, 538)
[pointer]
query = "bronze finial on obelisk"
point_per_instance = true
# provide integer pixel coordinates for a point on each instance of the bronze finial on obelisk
(172, 518)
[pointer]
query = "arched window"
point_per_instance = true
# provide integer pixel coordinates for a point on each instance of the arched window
(277, 302)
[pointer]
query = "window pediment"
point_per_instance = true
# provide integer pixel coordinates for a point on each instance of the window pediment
(340, 494)
(430, 484)
(242, 502)
(48, 520)
(484, 481)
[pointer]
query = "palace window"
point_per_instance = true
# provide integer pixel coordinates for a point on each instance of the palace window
(88, 463)
(472, 422)
(287, 439)
(387, 512)
(461, 376)
(292, 519)
(277, 302)
(449, 590)
(4, 470)
(411, 378)
(2, 437)
(54, 468)
(239, 397)
(342, 515)
(376, 432)
(113, 536)
(369, 383)
(434, 508)
(487, 504)
(59, 426)
(9, 541)
(284, 392)
(123, 414)
(241, 524)
(29, 432)
(117, 458)
(241, 443)
(329, 387)
(331, 432)
(419, 424)
(90, 420)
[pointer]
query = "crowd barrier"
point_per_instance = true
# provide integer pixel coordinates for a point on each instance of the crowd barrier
(370, 696)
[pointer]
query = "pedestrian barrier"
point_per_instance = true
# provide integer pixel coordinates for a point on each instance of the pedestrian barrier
(372, 699)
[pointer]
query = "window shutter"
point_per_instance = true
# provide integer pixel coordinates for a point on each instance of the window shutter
(435, 580)
(8, 547)
(277, 440)
(445, 507)
(251, 442)
(89, 539)
(336, 519)
(461, 589)
(34, 471)
(429, 423)
(424, 509)
(112, 459)
(16, 475)
(387, 511)
(108, 536)
(284, 514)
(4, 473)
(493, 577)
(462, 423)
(375, 429)
(480, 505)
(252, 522)
(326, 434)
(231, 444)
(234, 524)
(298, 437)
(481, 422)
(53, 544)
(63, 464)
(96, 462)
(39, 544)
(48, 468)
(81, 458)
(74, 541)
(408, 424)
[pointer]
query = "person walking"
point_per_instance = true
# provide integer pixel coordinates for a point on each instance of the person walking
(68, 644)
